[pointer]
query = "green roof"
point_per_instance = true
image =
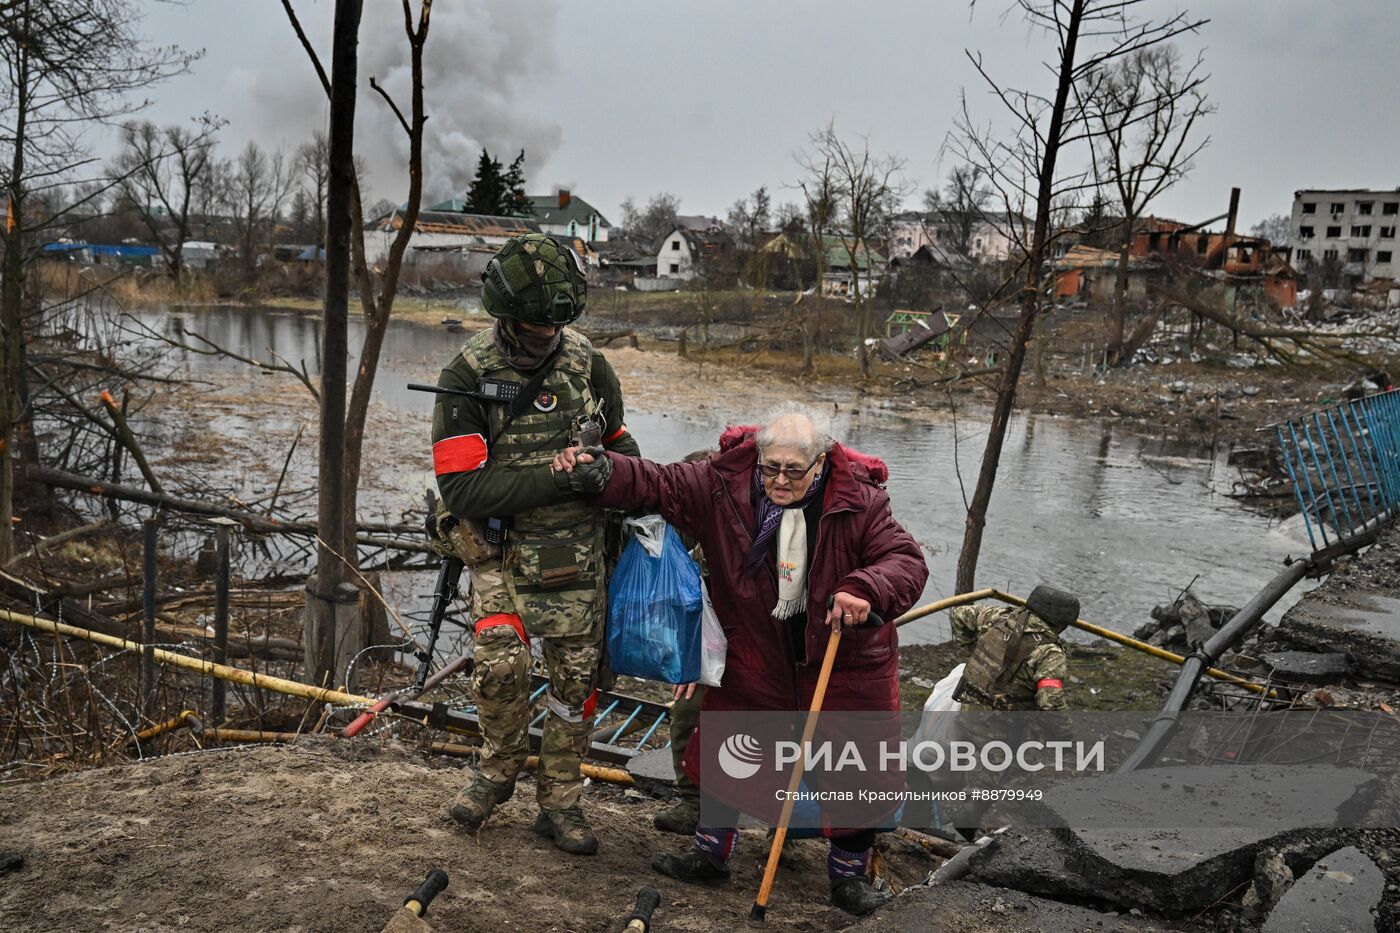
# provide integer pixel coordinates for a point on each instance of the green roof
(837, 255)
(548, 211)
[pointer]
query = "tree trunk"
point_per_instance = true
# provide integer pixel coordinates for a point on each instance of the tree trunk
(1025, 327)
(378, 311)
(322, 619)
(1118, 316)
(12, 318)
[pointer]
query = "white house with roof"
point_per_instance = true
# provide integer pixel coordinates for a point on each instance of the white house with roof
(567, 215)
(685, 253)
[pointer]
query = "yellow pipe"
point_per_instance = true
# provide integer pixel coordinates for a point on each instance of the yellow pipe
(979, 595)
(596, 772)
(262, 681)
(185, 716)
(223, 671)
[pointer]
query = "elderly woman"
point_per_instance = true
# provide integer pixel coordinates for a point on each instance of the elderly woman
(790, 523)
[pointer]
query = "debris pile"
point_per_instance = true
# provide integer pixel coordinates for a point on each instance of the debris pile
(1184, 624)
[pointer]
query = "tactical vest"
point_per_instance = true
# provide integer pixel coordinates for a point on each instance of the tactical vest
(1000, 652)
(552, 560)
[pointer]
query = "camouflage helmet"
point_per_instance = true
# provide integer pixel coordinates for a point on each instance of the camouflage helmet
(1057, 608)
(537, 279)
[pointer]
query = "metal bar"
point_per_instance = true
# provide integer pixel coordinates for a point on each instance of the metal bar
(612, 739)
(1317, 511)
(1161, 730)
(1346, 464)
(1297, 489)
(1348, 412)
(1336, 480)
(1308, 485)
(221, 581)
(148, 617)
(604, 714)
(1382, 440)
(540, 692)
(1364, 415)
(647, 735)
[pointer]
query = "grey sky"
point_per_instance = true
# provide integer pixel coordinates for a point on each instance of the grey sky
(708, 100)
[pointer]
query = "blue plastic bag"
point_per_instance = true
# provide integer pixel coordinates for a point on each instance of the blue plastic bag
(654, 607)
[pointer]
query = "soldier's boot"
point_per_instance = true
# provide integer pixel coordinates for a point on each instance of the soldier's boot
(478, 799)
(692, 867)
(679, 818)
(569, 830)
(858, 896)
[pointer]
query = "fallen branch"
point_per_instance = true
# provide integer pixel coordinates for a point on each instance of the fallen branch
(58, 539)
(213, 349)
(1323, 346)
(128, 440)
(257, 524)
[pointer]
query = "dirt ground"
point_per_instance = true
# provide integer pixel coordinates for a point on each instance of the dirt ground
(330, 835)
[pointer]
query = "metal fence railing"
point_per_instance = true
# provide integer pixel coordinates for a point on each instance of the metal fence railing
(1344, 465)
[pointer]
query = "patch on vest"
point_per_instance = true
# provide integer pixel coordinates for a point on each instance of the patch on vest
(546, 401)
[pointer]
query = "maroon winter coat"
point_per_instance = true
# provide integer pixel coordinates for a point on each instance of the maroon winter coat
(860, 549)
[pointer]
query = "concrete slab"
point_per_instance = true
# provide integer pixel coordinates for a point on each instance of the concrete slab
(1362, 623)
(1310, 667)
(653, 771)
(1343, 892)
(965, 907)
(1179, 839)
(1034, 860)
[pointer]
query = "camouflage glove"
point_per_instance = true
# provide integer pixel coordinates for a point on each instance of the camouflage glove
(590, 479)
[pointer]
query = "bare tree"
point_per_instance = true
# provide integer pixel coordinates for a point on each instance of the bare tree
(1142, 109)
(1275, 228)
(1023, 168)
(819, 195)
(865, 187)
(257, 186)
(959, 210)
(68, 64)
(377, 304)
(313, 165)
(648, 224)
(158, 172)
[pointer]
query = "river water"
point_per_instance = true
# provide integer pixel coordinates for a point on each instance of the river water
(1122, 520)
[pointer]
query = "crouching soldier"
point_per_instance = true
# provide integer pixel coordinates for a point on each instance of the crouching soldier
(523, 391)
(1016, 660)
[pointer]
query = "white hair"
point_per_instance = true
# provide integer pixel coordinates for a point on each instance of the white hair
(792, 424)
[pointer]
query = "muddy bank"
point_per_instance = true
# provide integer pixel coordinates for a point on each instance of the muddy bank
(330, 835)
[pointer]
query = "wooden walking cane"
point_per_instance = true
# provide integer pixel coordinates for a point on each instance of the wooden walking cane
(770, 871)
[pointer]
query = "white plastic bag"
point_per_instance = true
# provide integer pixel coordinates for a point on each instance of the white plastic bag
(650, 530)
(937, 725)
(713, 645)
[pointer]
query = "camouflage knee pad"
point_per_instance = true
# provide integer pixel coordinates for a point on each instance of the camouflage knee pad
(501, 686)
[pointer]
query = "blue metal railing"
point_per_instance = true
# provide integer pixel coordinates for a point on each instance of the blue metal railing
(1344, 465)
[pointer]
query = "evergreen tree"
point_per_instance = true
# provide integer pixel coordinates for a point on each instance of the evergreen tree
(517, 203)
(487, 192)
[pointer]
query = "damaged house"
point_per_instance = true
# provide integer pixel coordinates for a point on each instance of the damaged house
(445, 241)
(1247, 266)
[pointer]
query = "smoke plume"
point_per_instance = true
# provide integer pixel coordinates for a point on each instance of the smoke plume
(479, 57)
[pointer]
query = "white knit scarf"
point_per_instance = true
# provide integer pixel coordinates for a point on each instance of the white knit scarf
(792, 564)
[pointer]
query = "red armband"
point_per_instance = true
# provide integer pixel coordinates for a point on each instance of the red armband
(615, 435)
(460, 454)
(1045, 682)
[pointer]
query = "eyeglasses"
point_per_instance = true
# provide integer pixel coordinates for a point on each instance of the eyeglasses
(792, 473)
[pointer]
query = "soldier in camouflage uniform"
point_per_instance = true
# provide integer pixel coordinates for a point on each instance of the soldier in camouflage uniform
(546, 580)
(1016, 660)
